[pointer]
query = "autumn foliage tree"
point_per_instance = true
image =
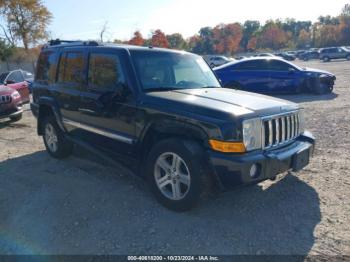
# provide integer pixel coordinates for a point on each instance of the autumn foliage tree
(252, 44)
(137, 39)
(159, 39)
(273, 37)
(227, 38)
(27, 21)
(176, 41)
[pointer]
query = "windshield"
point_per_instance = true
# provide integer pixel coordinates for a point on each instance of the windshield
(167, 71)
(3, 77)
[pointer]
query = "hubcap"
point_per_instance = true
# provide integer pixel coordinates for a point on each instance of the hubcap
(172, 176)
(51, 137)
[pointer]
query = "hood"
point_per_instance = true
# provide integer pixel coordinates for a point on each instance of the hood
(223, 100)
(5, 90)
(317, 71)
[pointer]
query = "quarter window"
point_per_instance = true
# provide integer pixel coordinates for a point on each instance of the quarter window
(105, 71)
(71, 68)
(46, 67)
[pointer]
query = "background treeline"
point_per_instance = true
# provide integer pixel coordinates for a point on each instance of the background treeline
(253, 36)
(24, 26)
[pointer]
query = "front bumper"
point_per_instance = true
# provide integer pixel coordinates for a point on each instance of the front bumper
(10, 111)
(233, 170)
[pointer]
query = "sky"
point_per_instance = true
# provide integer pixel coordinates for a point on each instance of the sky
(83, 19)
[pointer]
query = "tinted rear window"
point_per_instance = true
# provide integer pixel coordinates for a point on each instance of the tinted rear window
(71, 68)
(46, 69)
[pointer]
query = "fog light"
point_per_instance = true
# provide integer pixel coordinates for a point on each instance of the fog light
(254, 171)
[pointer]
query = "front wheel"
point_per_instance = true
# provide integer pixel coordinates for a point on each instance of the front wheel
(326, 59)
(54, 139)
(176, 174)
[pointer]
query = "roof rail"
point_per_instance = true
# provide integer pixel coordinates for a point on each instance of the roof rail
(58, 42)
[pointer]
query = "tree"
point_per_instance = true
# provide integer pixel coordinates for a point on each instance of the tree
(227, 38)
(159, 39)
(103, 31)
(346, 10)
(250, 28)
(176, 41)
(304, 39)
(5, 50)
(137, 39)
(273, 37)
(252, 44)
(27, 20)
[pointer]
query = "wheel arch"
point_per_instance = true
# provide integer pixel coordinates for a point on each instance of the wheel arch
(48, 107)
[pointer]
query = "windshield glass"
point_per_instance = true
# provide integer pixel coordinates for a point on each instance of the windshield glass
(3, 77)
(166, 71)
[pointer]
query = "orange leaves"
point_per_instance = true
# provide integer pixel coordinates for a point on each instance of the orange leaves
(137, 39)
(159, 39)
(227, 37)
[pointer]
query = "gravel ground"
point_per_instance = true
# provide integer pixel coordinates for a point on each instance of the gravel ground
(82, 206)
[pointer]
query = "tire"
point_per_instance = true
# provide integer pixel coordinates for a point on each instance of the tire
(326, 59)
(348, 57)
(54, 139)
(172, 191)
(16, 118)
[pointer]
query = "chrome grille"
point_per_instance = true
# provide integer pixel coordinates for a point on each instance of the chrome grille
(5, 99)
(280, 129)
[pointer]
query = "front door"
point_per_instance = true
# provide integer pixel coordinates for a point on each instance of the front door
(16, 81)
(107, 105)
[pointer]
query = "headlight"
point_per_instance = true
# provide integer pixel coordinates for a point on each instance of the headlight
(252, 134)
(15, 95)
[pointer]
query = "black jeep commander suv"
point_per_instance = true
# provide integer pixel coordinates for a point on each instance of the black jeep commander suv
(164, 114)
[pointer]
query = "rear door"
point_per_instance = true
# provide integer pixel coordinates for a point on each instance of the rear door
(17, 82)
(107, 108)
(253, 75)
(71, 78)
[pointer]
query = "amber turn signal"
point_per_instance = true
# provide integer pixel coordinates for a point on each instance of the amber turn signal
(227, 147)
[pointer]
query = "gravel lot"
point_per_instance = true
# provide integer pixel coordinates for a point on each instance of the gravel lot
(83, 206)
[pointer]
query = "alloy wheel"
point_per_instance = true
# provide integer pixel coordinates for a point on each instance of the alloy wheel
(172, 176)
(51, 137)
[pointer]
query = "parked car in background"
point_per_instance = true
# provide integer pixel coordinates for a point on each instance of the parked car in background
(216, 60)
(264, 55)
(16, 80)
(10, 104)
(308, 55)
(286, 56)
(164, 114)
(274, 75)
(328, 54)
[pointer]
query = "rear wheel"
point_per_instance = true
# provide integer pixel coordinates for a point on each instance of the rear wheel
(326, 59)
(348, 57)
(16, 118)
(176, 174)
(54, 139)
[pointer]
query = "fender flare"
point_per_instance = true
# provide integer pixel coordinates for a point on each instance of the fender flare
(52, 104)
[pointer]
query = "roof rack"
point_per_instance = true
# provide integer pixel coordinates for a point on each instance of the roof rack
(58, 42)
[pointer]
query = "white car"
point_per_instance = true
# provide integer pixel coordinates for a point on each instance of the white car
(215, 61)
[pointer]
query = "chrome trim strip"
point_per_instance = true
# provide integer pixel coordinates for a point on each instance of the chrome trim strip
(277, 125)
(283, 119)
(270, 133)
(98, 131)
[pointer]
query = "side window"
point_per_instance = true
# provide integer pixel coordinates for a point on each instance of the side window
(46, 69)
(279, 66)
(253, 65)
(15, 77)
(71, 68)
(105, 71)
